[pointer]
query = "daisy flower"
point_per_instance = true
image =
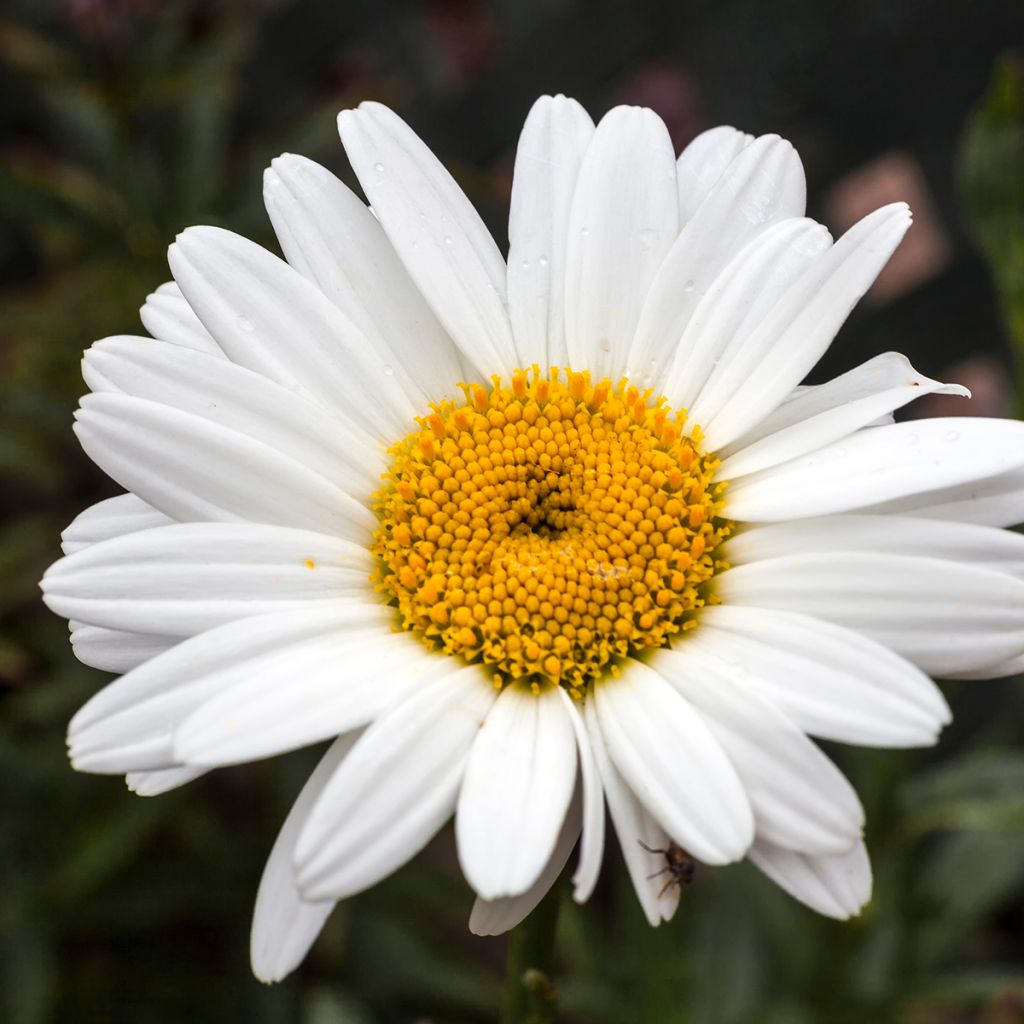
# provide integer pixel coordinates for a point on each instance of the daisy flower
(530, 538)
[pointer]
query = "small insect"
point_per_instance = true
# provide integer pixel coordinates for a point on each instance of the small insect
(679, 866)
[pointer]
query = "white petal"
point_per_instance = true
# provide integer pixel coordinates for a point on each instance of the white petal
(660, 744)
(592, 844)
(837, 886)
(396, 788)
(325, 686)
(623, 221)
(184, 578)
(130, 724)
(270, 319)
(169, 317)
(516, 791)
(703, 162)
(191, 468)
(831, 681)
(639, 834)
(991, 501)
(494, 917)
(437, 234)
(163, 780)
(551, 148)
(980, 546)
(943, 616)
(877, 465)
(799, 798)
(826, 413)
(114, 650)
(329, 236)
(112, 517)
(241, 400)
(284, 925)
(762, 185)
(738, 300)
(776, 356)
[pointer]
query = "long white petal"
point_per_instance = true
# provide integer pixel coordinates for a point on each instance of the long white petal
(193, 469)
(396, 789)
(111, 517)
(980, 546)
(329, 235)
(660, 745)
(996, 500)
(551, 147)
(494, 917)
(181, 579)
(284, 925)
(799, 798)
(130, 724)
(592, 840)
(640, 836)
(776, 356)
(437, 234)
(828, 412)
(269, 318)
(738, 300)
(703, 162)
(837, 886)
(241, 400)
(168, 316)
(762, 185)
(114, 650)
(943, 616)
(162, 780)
(516, 791)
(324, 686)
(877, 465)
(624, 219)
(831, 681)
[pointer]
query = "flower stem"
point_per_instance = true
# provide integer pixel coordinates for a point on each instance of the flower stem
(529, 996)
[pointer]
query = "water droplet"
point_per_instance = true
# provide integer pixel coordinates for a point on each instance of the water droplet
(584, 232)
(543, 261)
(379, 168)
(688, 287)
(648, 238)
(606, 345)
(953, 435)
(245, 324)
(447, 239)
(389, 371)
(526, 264)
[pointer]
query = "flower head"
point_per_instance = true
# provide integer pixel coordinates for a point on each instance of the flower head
(527, 538)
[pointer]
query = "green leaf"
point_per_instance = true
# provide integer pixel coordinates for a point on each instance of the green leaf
(992, 181)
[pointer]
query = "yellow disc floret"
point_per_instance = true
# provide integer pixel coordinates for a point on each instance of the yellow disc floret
(550, 527)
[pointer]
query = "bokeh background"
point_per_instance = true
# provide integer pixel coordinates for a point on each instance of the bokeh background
(124, 121)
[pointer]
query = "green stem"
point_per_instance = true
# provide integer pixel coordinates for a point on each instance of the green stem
(529, 995)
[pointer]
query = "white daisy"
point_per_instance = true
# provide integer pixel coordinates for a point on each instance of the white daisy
(449, 512)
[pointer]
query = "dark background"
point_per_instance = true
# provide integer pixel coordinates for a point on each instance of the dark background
(124, 121)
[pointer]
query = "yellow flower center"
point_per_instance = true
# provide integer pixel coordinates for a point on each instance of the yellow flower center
(550, 527)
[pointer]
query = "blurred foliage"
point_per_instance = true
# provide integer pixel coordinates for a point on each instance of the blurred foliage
(122, 122)
(992, 173)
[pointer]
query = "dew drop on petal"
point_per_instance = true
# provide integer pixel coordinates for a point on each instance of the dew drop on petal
(379, 168)
(953, 435)
(245, 324)
(543, 261)
(688, 287)
(389, 371)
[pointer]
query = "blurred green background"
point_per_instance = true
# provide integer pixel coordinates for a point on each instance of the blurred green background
(124, 121)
